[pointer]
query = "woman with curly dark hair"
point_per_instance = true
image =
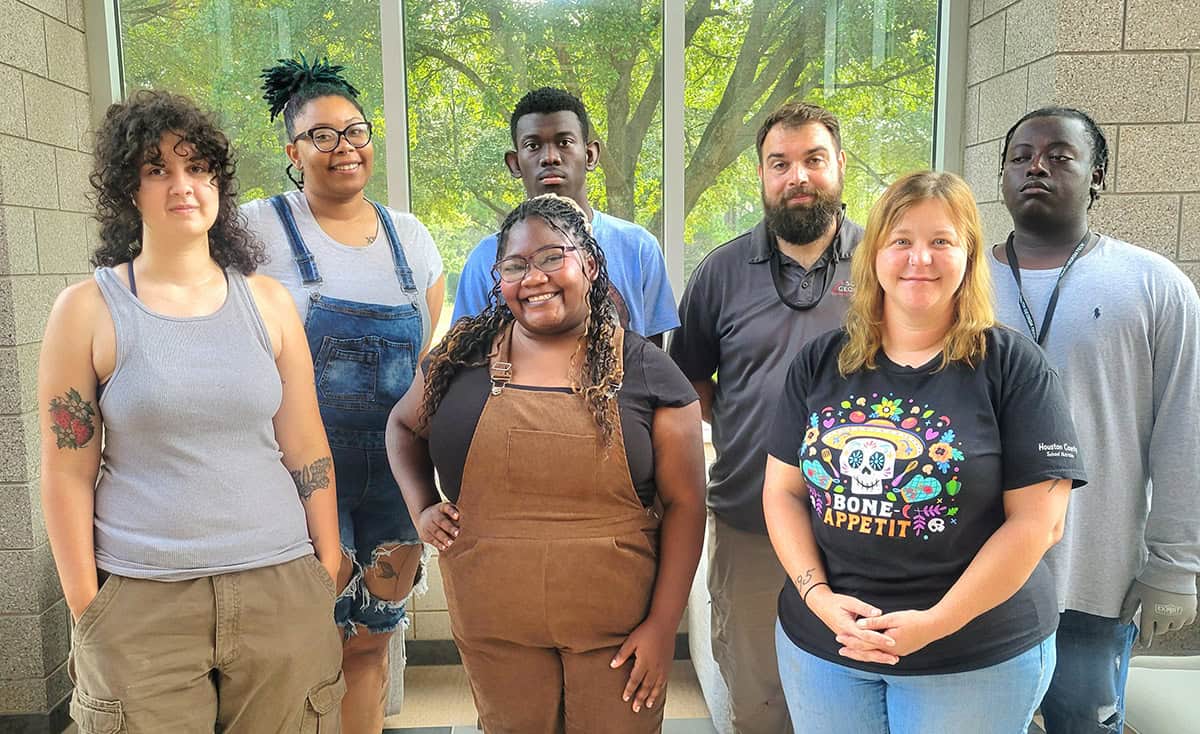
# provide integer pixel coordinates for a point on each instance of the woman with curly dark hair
(569, 452)
(186, 479)
(369, 285)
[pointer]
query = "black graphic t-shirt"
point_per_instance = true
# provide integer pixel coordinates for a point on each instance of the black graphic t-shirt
(906, 471)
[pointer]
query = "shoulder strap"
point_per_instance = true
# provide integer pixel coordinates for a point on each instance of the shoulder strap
(499, 361)
(618, 345)
(300, 252)
(403, 272)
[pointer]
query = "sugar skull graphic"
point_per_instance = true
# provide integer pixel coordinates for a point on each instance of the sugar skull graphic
(892, 471)
(870, 451)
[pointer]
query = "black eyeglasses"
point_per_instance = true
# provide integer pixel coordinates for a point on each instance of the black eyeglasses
(547, 259)
(327, 139)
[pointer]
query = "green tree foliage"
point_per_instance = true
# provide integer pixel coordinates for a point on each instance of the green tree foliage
(469, 61)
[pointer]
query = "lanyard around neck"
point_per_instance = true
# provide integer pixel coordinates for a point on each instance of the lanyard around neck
(1011, 252)
(829, 271)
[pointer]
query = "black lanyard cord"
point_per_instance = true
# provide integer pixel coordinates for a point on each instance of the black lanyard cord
(1011, 252)
(827, 275)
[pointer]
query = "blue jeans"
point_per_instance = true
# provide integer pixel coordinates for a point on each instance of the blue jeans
(825, 697)
(1087, 693)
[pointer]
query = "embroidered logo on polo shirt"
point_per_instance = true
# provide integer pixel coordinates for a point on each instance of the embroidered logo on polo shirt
(842, 288)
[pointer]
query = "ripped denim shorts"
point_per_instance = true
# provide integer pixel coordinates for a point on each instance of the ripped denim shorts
(372, 519)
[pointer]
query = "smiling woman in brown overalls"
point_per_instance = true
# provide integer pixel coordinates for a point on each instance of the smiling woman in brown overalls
(570, 452)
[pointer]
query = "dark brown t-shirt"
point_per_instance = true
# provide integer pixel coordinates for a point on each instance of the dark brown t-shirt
(651, 381)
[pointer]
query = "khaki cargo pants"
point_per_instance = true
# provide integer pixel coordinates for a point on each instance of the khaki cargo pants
(247, 652)
(744, 581)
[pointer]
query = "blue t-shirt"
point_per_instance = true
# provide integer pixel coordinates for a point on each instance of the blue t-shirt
(635, 267)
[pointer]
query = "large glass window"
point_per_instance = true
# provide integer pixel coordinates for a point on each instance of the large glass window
(468, 63)
(214, 50)
(871, 62)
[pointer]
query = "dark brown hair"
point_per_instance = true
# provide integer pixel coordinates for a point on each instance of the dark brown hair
(795, 114)
(127, 139)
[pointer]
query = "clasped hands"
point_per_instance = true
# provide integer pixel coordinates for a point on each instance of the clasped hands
(868, 635)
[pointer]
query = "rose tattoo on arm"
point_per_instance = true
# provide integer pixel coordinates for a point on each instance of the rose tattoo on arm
(72, 419)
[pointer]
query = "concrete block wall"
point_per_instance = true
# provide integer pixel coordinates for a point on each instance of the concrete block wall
(1134, 65)
(44, 242)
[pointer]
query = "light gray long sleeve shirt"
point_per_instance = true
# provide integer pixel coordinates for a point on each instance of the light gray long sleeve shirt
(1125, 339)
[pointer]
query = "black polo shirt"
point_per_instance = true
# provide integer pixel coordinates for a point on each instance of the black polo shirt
(733, 322)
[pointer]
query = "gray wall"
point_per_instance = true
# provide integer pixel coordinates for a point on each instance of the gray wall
(44, 161)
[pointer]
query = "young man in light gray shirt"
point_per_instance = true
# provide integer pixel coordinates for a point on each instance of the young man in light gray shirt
(1121, 325)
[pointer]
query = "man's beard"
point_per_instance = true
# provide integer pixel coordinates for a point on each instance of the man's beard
(803, 223)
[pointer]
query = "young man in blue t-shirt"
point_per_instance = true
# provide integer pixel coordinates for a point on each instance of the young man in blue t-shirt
(553, 152)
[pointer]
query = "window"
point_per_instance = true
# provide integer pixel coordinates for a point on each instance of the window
(871, 62)
(467, 62)
(470, 62)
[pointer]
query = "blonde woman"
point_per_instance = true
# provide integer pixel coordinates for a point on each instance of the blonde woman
(919, 468)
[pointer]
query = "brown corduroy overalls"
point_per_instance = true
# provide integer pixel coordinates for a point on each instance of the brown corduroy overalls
(553, 567)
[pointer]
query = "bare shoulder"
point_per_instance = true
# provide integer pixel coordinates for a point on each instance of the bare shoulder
(80, 330)
(270, 295)
(78, 306)
(264, 286)
(277, 309)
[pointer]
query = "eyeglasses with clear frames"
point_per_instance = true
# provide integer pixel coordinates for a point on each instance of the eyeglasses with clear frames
(548, 259)
(327, 139)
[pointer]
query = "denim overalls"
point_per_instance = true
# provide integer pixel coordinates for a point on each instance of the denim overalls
(364, 359)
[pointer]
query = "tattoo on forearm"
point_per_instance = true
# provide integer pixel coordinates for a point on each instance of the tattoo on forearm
(805, 579)
(72, 419)
(311, 477)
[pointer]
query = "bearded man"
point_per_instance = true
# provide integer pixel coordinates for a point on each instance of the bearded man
(747, 310)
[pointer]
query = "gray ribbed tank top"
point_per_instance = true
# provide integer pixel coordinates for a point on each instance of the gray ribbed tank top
(192, 481)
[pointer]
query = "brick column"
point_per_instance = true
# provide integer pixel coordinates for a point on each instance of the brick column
(44, 243)
(1134, 65)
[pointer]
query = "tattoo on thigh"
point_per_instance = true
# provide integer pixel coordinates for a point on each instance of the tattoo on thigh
(72, 419)
(311, 477)
(385, 570)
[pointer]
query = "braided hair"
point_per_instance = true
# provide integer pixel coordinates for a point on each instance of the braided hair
(290, 85)
(469, 342)
(1098, 141)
